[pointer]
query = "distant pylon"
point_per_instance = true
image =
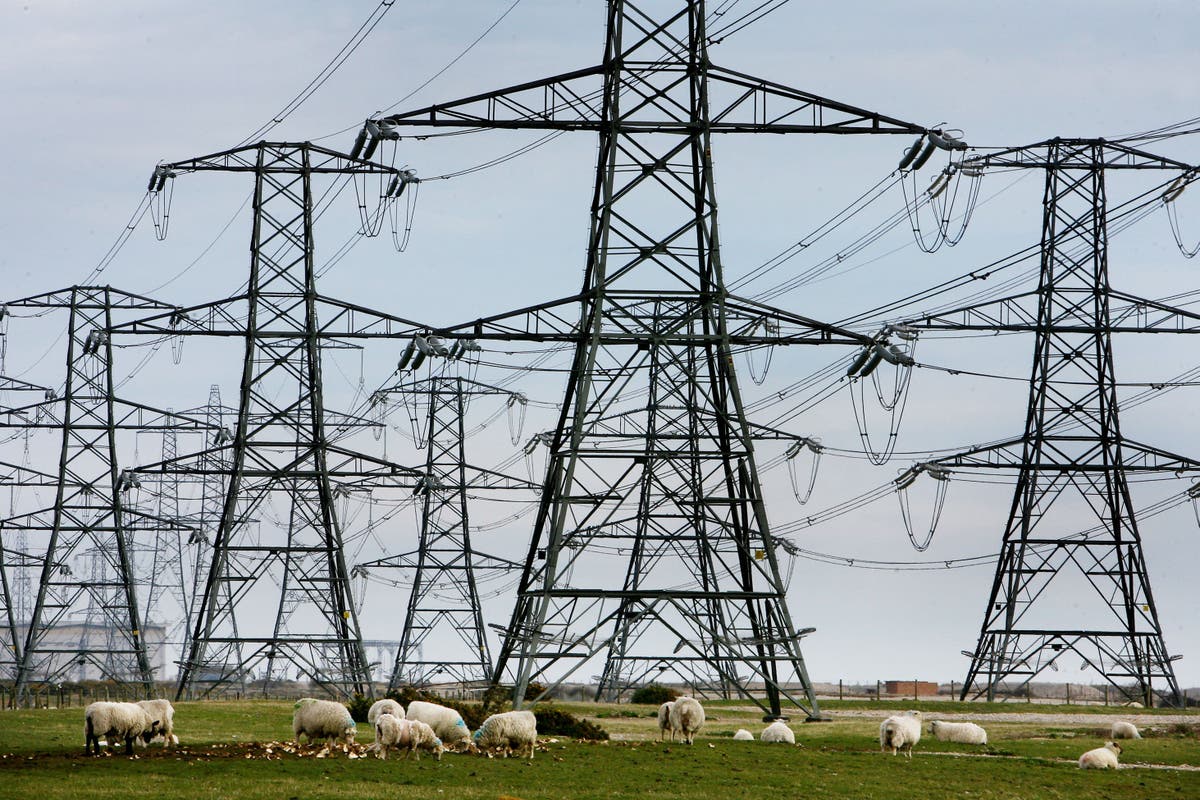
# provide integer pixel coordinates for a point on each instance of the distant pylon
(276, 601)
(444, 597)
(1061, 592)
(88, 515)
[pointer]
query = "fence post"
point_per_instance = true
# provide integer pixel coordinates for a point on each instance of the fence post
(1106, 694)
(1068, 694)
(952, 694)
(878, 695)
(841, 696)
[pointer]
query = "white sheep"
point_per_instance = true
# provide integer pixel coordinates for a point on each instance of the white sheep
(446, 722)
(409, 735)
(900, 732)
(743, 735)
(1124, 730)
(164, 712)
(384, 706)
(778, 732)
(687, 717)
(114, 721)
(664, 721)
(1102, 757)
(322, 719)
(512, 731)
(962, 732)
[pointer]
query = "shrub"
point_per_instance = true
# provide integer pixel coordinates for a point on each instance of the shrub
(654, 695)
(553, 722)
(359, 706)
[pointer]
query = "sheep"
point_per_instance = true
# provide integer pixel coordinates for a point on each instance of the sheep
(446, 722)
(664, 721)
(164, 712)
(687, 717)
(778, 732)
(1102, 757)
(512, 731)
(1124, 730)
(743, 735)
(114, 721)
(962, 732)
(385, 706)
(409, 735)
(322, 719)
(900, 732)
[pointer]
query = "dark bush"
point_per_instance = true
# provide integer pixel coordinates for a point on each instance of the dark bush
(654, 695)
(359, 706)
(553, 722)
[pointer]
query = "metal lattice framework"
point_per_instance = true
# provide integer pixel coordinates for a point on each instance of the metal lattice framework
(279, 542)
(88, 519)
(179, 559)
(444, 598)
(652, 555)
(1072, 460)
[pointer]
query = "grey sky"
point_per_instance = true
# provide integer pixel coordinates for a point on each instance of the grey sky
(94, 94)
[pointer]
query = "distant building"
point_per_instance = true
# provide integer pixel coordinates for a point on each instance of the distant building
(910, 688)
(80, 651)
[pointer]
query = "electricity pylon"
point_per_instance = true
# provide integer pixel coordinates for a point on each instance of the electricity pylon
(444, 598)
(1041, 609)
(88, 515)
(651, 484)
(16, 561)
(279, 542)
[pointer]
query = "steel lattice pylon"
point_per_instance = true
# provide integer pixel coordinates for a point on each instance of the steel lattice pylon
(278, 544)
(1072, 449)
(652, 549)
(88, 516)
(17, 562)
(444, 597)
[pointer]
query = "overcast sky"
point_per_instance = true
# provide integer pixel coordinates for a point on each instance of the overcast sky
(95, 94)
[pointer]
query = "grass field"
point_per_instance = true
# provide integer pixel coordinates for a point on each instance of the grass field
(223, 754)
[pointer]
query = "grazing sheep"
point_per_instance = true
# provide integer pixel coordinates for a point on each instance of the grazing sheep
(1102, 757)
(778, 733)
(446, 722)
(664, 721)
(962, 732)
(687, 717)
(385, 706)
(322, 719)
(164, 712)
(513, 731)
(743, 735)
(409, 735)
(114, 721)
(1124, 730)
(900, 732)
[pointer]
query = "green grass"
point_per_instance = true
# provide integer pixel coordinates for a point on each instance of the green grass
(41, 758)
